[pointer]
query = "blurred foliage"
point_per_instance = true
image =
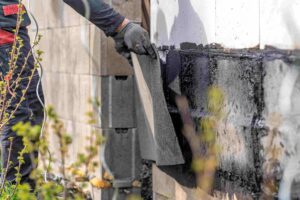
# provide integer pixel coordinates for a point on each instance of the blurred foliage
(75, 178)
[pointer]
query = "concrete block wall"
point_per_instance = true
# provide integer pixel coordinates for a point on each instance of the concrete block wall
(260, 117)
(260, 90)
(68, 81)
(78, 61)
(281, 95)
(231, 23)
(74, 68)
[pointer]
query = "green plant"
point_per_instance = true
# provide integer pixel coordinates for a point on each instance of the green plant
(69, 184)
(9, 85)
(9, 82)
(203, 143)
(74, 178)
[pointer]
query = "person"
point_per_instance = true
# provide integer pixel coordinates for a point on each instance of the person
(128, 37)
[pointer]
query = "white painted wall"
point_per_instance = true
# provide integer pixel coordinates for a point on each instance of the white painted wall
(231, 23)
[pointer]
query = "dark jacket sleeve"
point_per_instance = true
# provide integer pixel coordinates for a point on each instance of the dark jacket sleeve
(100, 14)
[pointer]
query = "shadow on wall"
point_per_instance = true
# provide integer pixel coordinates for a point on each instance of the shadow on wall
(187, 27)
(291, 23)
(57, 7)
(289, 127)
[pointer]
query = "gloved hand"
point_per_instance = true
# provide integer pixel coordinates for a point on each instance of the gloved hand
(133, 38)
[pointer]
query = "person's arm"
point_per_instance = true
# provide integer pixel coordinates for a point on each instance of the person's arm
(127, 35)
(99, 13)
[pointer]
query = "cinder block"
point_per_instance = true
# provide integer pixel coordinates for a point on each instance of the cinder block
(241, 31)
(74, 54)
(105, 61)
(239, 81)
(63, 50)
(276, 73)
(115, 64)
(169, 24)
(46, 83)
(148, 147)
(79, 133)
(60, 15)
(64, 99)
(117, 102)
(126, 7)
(194, 82)
(43, 46)
(235, 187)
(78, 47)
(81, 94)
(48, 80)
(95, 50)
(282, 119)
(283, 14)
(51, 57)
(127, 193)
(166, 187)
(37, 8)
(96, 97)
(70, 54)
(122, 156)
(58, 89)
(55, 50)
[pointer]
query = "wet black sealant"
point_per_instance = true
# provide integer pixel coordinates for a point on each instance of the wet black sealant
(146, 180)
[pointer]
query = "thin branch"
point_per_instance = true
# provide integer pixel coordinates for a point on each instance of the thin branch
(7, 165)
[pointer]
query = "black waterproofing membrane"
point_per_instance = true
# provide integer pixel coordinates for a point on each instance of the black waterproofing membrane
(158, 140)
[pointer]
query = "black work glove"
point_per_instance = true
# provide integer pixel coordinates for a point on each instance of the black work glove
(133, 38)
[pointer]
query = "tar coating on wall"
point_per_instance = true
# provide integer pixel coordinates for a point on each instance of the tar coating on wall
(244, 75)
